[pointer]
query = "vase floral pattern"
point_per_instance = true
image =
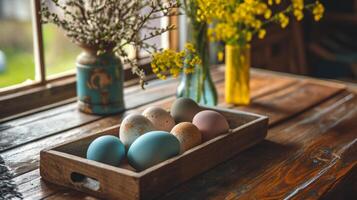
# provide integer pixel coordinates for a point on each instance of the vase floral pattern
(99, 83)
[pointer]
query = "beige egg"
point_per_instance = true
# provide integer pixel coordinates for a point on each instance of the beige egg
(188, 135)
(160, 118)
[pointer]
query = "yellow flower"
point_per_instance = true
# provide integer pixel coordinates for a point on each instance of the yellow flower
(220, 56)
(174, 63)
(237, 21)
(262, 33)
(190, 47)
(298, 14)
(318, 11)
(297, 8)
(283, 19)
(298, 4)
(249, 36)
(267, 14)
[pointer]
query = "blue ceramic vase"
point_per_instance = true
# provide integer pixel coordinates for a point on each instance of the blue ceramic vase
(99, 83)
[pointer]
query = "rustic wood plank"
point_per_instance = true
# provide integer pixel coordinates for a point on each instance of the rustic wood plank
(265, 85)
(23, 160)
(297, 174)
(36, 96)
(260, 85)
(44, 127)
(338, 182)
(292, 100)
(295, 154)
(38, 189)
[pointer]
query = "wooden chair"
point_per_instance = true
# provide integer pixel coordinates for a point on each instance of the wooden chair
(333, 46)
(282, 50)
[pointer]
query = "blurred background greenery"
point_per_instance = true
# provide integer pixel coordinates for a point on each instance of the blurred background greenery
(16, 44)
(17, 63)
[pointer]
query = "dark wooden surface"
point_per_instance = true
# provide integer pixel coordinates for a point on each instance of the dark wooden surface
(310, 151)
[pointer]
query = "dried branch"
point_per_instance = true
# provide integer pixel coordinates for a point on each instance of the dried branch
(110, 25)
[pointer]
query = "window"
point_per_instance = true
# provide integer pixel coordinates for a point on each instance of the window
(160, 42)
(35, 58)
(16, 43)
(59, 53)
(54, 53)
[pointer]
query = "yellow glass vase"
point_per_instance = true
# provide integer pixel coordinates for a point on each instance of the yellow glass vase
(237, 74)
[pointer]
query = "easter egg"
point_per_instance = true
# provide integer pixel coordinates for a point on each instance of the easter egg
(133, 126)
(160, 118)
(152, 148)
(184, 109)
(188, 135)
(106, 149)
(210, 123)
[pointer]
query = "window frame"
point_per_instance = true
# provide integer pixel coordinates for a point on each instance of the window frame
(43, 91)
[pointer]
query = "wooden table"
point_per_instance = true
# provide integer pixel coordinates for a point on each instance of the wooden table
(310, 151)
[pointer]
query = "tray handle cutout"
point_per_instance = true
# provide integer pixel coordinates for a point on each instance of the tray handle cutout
(84, 181)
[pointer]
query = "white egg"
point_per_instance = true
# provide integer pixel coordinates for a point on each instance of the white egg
(133, 126)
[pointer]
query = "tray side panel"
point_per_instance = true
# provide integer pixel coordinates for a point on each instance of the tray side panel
(170, 174)
(69, 171)
(235, 118)
(79, 147)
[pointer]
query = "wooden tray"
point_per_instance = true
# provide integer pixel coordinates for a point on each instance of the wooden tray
(66, 164)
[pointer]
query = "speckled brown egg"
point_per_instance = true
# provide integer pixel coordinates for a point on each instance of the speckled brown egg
(184, 109)
(188, 135)
(133, 126)
(160, 118)
(210, 123)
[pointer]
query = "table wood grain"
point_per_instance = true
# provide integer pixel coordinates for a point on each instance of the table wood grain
(310, 151)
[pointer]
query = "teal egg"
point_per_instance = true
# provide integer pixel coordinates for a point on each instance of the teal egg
(152, 148)
(106, 149)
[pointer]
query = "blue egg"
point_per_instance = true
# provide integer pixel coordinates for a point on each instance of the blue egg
(152, 148)
(106, 149)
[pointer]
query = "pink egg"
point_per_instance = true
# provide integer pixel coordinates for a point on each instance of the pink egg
(210, 123)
